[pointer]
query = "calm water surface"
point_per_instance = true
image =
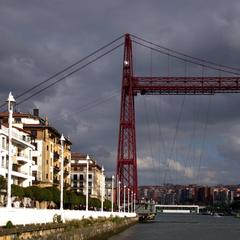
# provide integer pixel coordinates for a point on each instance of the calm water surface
(184, 227)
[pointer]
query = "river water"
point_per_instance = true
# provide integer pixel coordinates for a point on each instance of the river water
(183, 227)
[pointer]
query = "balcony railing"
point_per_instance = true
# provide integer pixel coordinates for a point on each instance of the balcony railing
(56, 170)
(66, 161)
(24, 155)
(55, 156)
(56, 181)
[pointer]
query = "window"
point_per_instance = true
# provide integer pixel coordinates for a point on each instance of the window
(74, 176)
(81, 176)
(33, 133)
(35, 160)
(18, 120)
(35, 145)
(2, 161)
(3, 142)
(47, 176)
(47, 147)
(90, 176)
(51, 147)
(47, 162)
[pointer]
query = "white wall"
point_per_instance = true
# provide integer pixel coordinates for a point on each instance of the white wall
(29, 215)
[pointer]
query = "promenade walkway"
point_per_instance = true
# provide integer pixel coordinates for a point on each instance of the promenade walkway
(33, 216)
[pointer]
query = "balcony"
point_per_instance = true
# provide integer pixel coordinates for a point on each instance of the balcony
(67, 185)
(56, 181)
(22, 158)
(66, 161)
(66, 173)
(34, 168)
(20, 174)
(55, 156)
(56, 170)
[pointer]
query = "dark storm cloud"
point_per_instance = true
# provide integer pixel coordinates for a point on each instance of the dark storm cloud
(39, 38)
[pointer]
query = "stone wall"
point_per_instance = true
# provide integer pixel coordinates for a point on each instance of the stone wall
(71, 231)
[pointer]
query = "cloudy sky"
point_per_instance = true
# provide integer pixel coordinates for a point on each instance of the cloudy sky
(180, 139)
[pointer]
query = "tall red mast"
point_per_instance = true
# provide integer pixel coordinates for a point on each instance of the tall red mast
(126, 157)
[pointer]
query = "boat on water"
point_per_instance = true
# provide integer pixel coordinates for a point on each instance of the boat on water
(146, 217)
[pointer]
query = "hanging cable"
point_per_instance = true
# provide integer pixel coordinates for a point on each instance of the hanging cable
(93, 104)
(150, 141)
(204, 137)
(186, 55)
(187, 60)
(67, 68)
(176, 133)
(69, 74)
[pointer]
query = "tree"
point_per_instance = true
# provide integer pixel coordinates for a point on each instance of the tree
(28, 192)
(94, 202)
(3, 183)
(55, 194)
(41, 194)
(107, 204)
(17, 191)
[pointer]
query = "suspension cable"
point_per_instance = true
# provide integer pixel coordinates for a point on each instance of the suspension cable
(185, 59)
(67, 68)
(203, 61)
(69, 74)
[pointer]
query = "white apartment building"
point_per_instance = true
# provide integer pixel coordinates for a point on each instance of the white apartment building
(22, 164)
(47, 148)
(96, 181)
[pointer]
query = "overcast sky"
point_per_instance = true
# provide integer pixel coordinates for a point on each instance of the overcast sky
(40, 38)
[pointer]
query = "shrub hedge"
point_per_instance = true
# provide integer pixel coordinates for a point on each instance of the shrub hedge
(72, 200)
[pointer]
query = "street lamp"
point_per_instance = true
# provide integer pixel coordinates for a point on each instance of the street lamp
(119, 184)
(112, 190)
(87, 158)
(131, 201)
(102, 189)
(10, 102)
(124, 198)
(128, 198)
(134, 202)
(62, 139)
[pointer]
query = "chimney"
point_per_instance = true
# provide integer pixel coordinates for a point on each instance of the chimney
(36, 112)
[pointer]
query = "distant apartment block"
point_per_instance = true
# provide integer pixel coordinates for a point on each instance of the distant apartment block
(47, 153)
(79, 173)
(108, 189)
(22, 150)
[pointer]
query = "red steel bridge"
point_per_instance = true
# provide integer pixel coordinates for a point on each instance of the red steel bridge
(132, 86)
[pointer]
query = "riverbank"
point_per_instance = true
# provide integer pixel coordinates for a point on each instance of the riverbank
(85, 229)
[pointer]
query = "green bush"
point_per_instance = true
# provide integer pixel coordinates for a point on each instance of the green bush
(55, 194)
(28, 192)
(107, 204)
(57, 218)
(3, 183)
(9, 224)
(17, 191)
(41, 194)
